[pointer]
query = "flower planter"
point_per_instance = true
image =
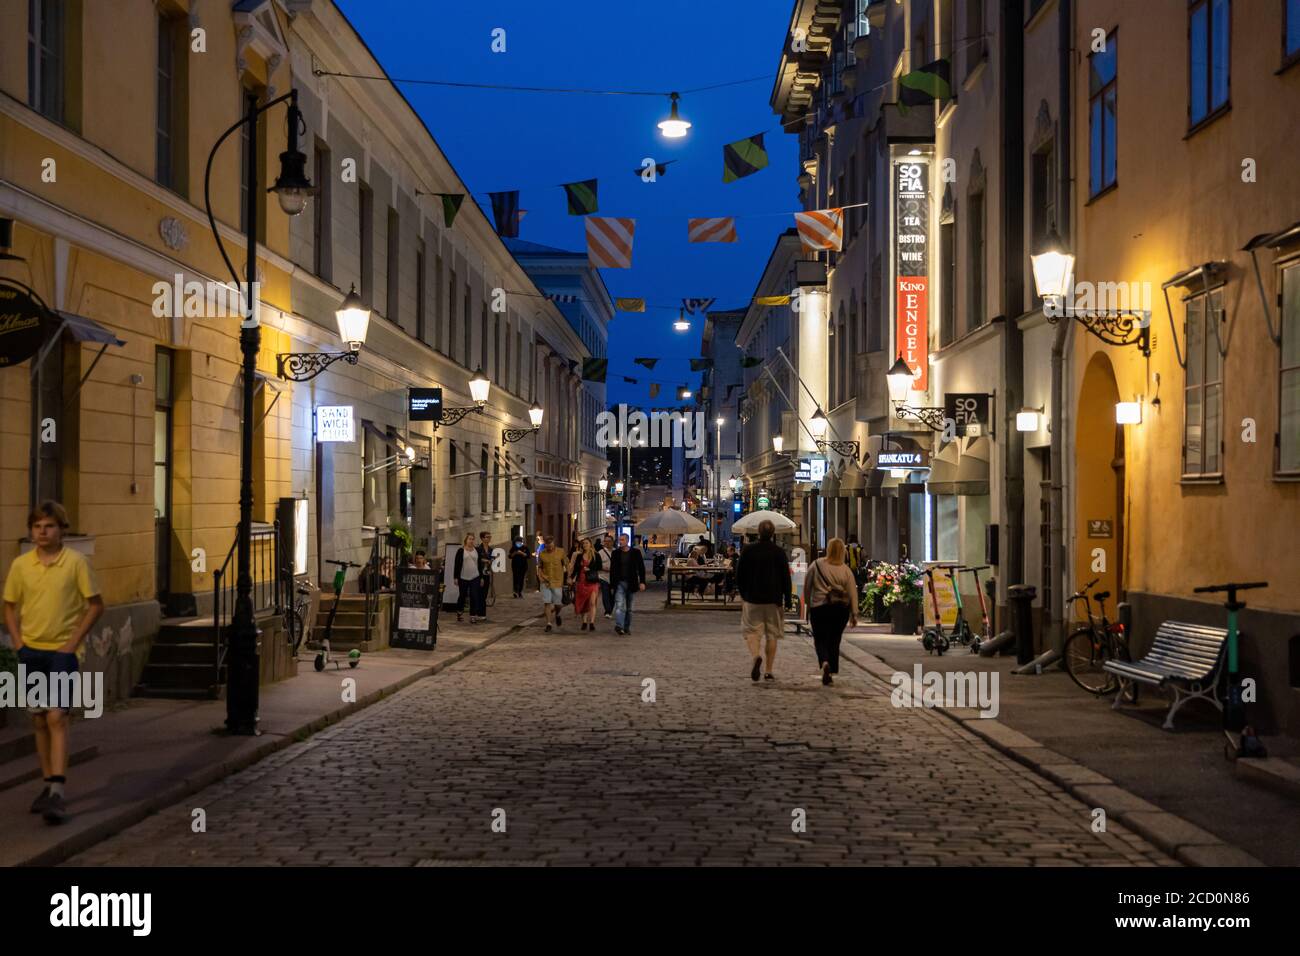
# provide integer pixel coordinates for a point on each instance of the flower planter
(879, 613)
(905, 616)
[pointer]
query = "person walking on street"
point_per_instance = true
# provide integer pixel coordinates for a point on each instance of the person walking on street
(606, 556)
(585, 574)
(519, 565)
(831, 595)
(550, 575)
(763, 578)
(50, 604)
(627, 575)
(467, 579)
(486, 579)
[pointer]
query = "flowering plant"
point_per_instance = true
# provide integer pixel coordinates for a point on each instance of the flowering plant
(894, 583)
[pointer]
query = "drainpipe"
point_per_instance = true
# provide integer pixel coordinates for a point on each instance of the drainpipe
(1011, 30)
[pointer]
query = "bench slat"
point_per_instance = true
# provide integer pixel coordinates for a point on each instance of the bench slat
(1180, 651)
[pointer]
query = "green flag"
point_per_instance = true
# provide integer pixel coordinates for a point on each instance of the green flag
(743, 158)
(450, 206)
(593, 369)
(749, 361)
(646, 362)
(929, 82)
(582, 197)
(700, 364)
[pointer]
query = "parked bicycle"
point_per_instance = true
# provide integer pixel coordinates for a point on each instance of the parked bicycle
(1094, 642)
(1234, 708)
(295, 616)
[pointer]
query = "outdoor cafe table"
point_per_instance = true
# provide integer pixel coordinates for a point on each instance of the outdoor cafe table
(686, 569)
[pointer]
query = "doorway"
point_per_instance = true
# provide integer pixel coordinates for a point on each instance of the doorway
(1099, 489)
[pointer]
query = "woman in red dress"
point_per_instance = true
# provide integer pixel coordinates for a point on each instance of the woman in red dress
(584, 572)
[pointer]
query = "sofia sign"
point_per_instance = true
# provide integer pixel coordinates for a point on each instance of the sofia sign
(912, 266)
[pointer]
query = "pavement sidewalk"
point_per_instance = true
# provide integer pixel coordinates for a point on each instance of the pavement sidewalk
(153, 753)
(1046, 720)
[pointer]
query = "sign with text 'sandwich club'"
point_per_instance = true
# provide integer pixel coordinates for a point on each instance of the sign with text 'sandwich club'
(912, 266)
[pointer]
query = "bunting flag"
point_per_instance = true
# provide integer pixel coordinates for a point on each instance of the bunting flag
(720, 229)
(930, 82)
(821, 230)
(609, 242)
(505, 210)
(630, 381)
(582, 197)
(646, 362)
(561, 297)
(694, 305)
(572, 363)
(743, 158)
(749, 361)
(630, 305)
(660, 169)
(593, 369)
(654, 389)
(772, 300)
(700, 364)
(730, 388)
(450, 206)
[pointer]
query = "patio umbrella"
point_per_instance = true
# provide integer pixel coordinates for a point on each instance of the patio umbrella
(749, 523)
(671, 521)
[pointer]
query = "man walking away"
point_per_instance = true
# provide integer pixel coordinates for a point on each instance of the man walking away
(627, 575)
(606, 589)
(763, 578)
(51, 602)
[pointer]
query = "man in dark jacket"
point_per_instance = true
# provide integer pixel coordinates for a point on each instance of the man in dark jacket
(626, 577)
(763, 578)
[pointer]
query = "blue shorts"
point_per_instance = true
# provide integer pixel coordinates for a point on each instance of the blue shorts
(552, 595)
(49, 663)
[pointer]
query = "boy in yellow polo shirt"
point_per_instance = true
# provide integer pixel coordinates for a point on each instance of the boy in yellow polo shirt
(51, 603)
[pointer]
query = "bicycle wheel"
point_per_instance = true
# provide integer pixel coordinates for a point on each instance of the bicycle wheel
(293, 624)
(1083, 657)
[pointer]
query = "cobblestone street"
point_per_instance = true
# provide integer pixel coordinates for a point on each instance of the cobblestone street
(552, 729)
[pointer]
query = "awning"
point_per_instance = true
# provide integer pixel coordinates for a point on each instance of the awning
(943, 470)
(973, 468)
(853, 483)
(1274, 240)
(87, 330)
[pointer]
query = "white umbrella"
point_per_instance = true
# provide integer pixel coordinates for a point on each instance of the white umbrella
(671, 521)
(749, 524)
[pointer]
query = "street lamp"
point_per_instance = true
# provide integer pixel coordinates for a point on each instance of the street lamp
(674, 127)
(1128, 413)
(778, 442)
(817, 424)
(1053, 279)
(515, 434)
(292, 189)
(353, 320)
(901, 380)
(682, 324)
(603, 483)
(1027, 418)
(1053, 270)
(479, 387)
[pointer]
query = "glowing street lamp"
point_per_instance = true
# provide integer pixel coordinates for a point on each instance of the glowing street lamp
(674, 127)
(817, 424)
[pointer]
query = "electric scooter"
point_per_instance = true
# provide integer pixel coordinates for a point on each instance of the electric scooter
(1246, 743)
(978, 640)
(933, 638)
(323, 656)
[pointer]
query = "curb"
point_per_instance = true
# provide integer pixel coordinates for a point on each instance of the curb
(1178, 838)
(178, 791)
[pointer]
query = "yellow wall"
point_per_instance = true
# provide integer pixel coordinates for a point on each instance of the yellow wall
(1181, 201)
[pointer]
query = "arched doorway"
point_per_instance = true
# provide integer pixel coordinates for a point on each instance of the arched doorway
(1099, 483)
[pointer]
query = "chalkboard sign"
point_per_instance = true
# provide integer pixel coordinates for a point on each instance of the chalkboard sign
(417, 609)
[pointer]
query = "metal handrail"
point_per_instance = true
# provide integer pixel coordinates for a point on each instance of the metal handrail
(272, 589)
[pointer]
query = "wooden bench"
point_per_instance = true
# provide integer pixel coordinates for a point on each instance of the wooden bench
(1186, 660)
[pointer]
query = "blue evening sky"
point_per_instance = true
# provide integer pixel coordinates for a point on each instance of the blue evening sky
(500, 140)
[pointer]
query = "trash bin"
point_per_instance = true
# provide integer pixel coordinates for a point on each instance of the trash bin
(1021, 598)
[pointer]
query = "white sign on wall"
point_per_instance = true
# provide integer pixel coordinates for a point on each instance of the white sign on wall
(335, 423)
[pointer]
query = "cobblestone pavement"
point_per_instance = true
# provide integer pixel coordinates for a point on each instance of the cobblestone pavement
(551, 731)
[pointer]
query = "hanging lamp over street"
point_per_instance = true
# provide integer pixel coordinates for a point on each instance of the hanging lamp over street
(674, 127)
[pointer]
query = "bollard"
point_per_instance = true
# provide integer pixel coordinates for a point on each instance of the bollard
(1021, 599)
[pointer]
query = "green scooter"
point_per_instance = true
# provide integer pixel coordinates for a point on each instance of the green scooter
(1246, 742)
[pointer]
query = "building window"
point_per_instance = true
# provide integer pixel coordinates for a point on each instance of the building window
(451, 310)
(394, 266)
(322, 245)
(1044, 194)
(1291, 30)
(252, 98)
(948, 278)
(419, 289)
(1288, 443)
(496, 483)
(1208, 59)
(1103, 87)
(46, 45)
(469, 332)
(171, 130)
(975, 225)
(366, 227)
(439, 336)
(974, 39)
(1203, 415)
(164, 397)
(482, 480)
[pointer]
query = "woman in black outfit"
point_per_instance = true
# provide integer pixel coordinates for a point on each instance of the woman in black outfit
(519, 557)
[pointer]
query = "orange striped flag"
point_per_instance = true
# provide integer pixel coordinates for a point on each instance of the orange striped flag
(721, 229)
(609, 242)
(821, 229)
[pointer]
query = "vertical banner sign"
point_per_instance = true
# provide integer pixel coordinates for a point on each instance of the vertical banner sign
(417, 609)
(912, 266)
